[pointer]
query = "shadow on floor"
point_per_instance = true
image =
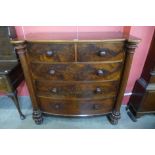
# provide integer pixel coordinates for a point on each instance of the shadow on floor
(9, 118)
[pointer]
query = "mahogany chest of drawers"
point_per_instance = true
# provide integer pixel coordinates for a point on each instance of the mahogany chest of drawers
(76, 75)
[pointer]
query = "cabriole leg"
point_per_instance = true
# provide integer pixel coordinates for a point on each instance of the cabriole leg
(15, 99)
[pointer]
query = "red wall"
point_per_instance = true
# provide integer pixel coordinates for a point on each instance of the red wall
(143, 32)
(146, 34)
(29, 29)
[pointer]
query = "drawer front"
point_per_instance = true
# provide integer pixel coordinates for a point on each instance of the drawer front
(152, 79)
(153, 69)
(45, 52)
(98, 90)
(148, 102)
(3, 84)
(100, 51)
(75, 107)
(77, 72)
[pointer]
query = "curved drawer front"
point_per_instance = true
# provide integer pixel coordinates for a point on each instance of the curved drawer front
(77, 72)
(98, 90)
(100, 51)
(46, 52)
(75, 107)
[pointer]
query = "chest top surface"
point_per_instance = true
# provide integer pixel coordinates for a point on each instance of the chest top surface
(75, 37)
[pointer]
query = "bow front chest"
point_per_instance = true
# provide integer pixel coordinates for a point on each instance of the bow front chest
(70, 74)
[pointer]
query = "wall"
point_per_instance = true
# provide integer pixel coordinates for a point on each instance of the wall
(146, 34)
(21, 31)
(143, 32)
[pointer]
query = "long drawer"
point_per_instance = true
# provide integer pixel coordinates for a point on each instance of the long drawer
(75, 107)
(96, 90)
(77, 71)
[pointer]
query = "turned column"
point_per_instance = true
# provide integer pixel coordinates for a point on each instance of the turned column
(22, 52)
(130, 47)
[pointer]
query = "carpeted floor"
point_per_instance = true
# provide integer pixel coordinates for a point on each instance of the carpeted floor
(9, 118)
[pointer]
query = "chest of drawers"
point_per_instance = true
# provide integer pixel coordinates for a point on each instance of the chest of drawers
(72, 76)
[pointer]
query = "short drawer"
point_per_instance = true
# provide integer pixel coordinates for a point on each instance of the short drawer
(57, 90)
(46, 52)
(75, 107)
(100, 51)
(77, 71)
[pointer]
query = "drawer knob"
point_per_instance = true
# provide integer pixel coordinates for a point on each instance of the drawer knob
(57, 106)
(53, 90)
(51, 72)
(98, 90)
(49, 53)
(96, 106)
(100, 72)
(102, 53)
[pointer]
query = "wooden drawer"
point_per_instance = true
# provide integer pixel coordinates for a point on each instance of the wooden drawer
(77, 71)
(75, 107)
(100, 51)
(152, 79)
(3, 84)
(48, 52)
(148, 101)
(57, 90)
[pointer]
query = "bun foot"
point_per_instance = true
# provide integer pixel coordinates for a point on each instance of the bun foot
(37, 117)
(114, 117)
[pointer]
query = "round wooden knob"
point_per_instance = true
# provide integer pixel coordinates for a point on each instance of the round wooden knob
(57, 106)
(102, 53)
(100, 72)
(49, 53)
(51, 72)
(96, 106)
(98, 90)
(53, 90)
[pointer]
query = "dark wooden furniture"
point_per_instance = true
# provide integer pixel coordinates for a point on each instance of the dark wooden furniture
(70, 74)
(11, 73)
(142, 100)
